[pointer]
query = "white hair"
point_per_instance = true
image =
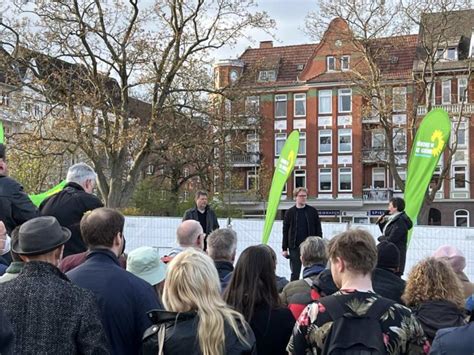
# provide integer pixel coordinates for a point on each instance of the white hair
(79, 173)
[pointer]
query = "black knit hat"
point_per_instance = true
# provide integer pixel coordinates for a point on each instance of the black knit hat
(388, 255)
(2, 151)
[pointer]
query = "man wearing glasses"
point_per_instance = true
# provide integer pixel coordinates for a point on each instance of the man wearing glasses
(300, 222)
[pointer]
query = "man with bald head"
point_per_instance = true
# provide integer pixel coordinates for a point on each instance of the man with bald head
(189, 234)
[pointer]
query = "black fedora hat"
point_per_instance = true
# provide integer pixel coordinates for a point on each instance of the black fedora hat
(40, 235)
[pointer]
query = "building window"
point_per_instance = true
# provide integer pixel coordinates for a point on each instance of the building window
(280, 106)
(252, 106)
(302, 145)
(461, 218)
(399, 97)
(252, 180)
(345, 179)
(403, 175)
(452, 53)
(378, 178)
(446, 91)
(435, 177)
(325, 141)
(300, 178)
(345, 62)
(280, 139)
(186, 172)
(331, 63)
(299, 101)
(325, 101)
(378, 139)
(150, 169)
(345, 141)
(399, 140)
(227, 107)
(345, 100)
(459, 174)
(5, 99)
(267, 75)
(462, 90)
(186, 196)
(325, 180)
(253, 144)
(461, 136)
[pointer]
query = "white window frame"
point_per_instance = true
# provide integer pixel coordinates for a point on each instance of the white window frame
(445, 85)
(461, 98)
(302, 144)
(464, 215)
(324, 133)
(325, 172)
(299, 98)
(345, 68)
(466, 178)
(374, 134)
(267, 75)
(379, 172)
(463, 126)
(446, 53)
(397, 133)
(252, 105)
(330, 58)
(281, 98)
(437, 171)
(343, 93)
(402, 172)
(399, 92)
(341, 172)
(279, 137)
(344, 132)
(251, 175)
(324, 94)
(298, 173)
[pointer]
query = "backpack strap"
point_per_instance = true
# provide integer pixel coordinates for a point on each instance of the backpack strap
(333, 307)
(309, 281)
(379, 307)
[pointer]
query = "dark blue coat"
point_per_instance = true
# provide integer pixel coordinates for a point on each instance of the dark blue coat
(123, 299)
(457, 340)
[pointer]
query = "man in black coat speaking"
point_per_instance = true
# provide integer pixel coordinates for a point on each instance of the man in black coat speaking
(300, 222)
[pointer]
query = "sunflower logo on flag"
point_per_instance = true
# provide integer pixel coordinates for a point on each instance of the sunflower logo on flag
(437, 137)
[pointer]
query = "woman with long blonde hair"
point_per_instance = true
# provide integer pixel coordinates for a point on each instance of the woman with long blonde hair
(195, 313)
(435, 295)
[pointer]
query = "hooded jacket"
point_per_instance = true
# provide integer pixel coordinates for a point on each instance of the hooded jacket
(397, 232)
(181, 335)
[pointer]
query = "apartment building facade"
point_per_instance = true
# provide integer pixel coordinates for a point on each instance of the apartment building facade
(319, 90)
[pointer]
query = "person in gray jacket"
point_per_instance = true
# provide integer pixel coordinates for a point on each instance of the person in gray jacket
(204, 214)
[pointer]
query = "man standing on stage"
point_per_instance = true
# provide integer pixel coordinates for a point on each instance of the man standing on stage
(300, 222)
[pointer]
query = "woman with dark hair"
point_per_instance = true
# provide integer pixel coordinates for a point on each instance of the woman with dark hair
(394, 225)
(252, 291)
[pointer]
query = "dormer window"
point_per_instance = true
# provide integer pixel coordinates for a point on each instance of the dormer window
(452, 54)
(267, 75)
(331, 63)
(345, 60)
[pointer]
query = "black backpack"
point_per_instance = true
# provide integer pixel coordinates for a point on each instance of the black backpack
(352, 334)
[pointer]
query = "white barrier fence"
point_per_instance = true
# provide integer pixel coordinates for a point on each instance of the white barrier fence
(160, 232)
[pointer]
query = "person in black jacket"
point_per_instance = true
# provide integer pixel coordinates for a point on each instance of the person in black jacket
(300, 222)
(394, 227)
(15, 205)
(70, 204)
(204, 214)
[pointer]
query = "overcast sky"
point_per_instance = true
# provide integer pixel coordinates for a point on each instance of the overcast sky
(289, 16)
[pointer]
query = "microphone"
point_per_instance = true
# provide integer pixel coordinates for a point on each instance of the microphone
(386, 213)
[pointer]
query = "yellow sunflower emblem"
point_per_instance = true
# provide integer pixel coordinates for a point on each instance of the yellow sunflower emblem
(437, 137)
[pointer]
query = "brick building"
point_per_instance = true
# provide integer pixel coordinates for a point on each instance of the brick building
(321, 90)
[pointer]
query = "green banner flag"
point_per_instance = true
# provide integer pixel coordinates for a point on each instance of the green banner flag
(430, 141)
(283, 169)
(37, 199)
(2, 134)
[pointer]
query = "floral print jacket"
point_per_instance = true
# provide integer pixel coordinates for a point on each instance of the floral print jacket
(402, 334)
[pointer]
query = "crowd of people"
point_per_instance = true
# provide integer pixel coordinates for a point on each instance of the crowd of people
(69, 287)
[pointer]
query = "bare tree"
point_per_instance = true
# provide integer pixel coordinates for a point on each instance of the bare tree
(90, 57)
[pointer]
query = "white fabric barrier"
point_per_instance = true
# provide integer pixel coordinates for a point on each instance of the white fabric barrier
(160, 232)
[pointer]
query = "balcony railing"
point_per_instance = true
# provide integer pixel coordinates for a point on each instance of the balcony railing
(377, 194)
(373, 155)
(449, 108)
(245, 159)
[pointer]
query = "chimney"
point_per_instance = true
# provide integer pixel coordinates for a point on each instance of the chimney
(266, 44)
